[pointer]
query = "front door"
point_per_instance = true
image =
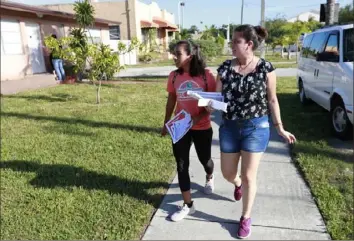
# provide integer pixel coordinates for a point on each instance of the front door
(35, 48)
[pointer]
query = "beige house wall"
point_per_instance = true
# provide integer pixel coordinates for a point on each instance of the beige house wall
(129, 13)
(147, 12)
(17, 66)
(122, 11)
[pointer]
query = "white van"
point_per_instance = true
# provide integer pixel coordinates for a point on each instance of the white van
(325, 74)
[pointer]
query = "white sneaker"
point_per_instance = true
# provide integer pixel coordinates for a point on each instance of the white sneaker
(183, 212)
(209, 185)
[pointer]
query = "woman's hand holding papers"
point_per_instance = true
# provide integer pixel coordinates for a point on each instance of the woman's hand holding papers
(209, 108)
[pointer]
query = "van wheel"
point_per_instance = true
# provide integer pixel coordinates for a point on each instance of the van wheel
(341, 126)
(303, 98)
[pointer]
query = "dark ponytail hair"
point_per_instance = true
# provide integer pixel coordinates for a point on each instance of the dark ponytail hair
(256, 34)
(197, 62)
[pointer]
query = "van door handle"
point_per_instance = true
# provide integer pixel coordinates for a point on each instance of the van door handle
(316, 72)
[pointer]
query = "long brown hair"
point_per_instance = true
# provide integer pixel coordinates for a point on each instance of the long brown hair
(197, 63)
(256, 34)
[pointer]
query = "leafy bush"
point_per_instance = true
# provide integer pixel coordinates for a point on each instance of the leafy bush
(209, 49)
(145, 58)
(104, 63)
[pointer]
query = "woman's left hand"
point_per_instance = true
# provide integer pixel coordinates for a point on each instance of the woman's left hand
(209, 108)
(290, 138)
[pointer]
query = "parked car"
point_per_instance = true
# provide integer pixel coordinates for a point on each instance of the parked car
(325, 74)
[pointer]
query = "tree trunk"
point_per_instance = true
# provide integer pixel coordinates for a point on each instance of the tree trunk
(297, 48)
(282, 51)
(289, 52)
(98, 90)
(330, 12)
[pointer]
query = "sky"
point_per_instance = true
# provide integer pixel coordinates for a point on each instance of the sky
(218, 12)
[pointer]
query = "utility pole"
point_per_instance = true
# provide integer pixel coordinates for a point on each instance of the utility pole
(242, 11)
(228, 30)
(182, 13)
(227, 46)
(330, 12)
(179, 15)
(263, 25)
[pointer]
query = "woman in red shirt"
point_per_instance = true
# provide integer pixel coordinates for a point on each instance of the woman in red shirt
(191, 74)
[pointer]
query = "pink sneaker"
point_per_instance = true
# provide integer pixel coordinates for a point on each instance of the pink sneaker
(244, 228)
(238, 193)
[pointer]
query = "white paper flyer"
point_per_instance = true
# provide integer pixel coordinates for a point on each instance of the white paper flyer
(179, 125)
(204, 98)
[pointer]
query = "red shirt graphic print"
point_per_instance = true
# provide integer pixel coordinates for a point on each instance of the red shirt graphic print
(183, 83)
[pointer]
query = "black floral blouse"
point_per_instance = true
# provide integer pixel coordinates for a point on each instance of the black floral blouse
(246, 96)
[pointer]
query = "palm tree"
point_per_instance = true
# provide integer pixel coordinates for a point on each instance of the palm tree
(84, 13)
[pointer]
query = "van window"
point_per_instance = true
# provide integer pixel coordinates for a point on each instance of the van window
(317, 44)
(331, 50)
(332, 44)
(348, 45)
(306, 46)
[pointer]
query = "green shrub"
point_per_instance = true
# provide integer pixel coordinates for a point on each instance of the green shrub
(145, 58)
(277, 54)
(221, 41)
(209, 48)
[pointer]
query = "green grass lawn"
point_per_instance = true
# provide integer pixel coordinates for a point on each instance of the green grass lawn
(73, 170)
(284, 65)
(270, 57)
(215, 62)
(328, 172)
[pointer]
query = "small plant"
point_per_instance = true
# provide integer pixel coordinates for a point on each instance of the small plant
(77, 50)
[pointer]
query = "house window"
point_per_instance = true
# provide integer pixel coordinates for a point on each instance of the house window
(145, 35)
(114, 32)
(11, 40)
(170, 36)
(95, 34)
(62, 30)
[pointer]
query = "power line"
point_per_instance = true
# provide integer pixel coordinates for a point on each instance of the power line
(273, 6)
(312, 5)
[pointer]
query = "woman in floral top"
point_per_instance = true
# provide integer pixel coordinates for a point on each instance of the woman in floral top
(248, 84)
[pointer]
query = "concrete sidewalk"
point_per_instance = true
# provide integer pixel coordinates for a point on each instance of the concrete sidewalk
(283, 209)
(28, 83)
(164, 71)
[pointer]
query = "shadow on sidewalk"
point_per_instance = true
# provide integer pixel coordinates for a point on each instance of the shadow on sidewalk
(230, 225)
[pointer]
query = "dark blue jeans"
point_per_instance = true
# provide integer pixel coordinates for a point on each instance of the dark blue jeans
(59, 69)
(250, 135)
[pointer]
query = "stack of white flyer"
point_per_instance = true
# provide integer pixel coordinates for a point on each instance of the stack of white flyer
(179, 125)
(215, 98)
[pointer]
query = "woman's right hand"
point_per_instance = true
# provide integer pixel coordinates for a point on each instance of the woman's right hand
(163, 130)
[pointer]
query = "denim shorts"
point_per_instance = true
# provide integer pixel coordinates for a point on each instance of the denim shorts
(251, 135)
